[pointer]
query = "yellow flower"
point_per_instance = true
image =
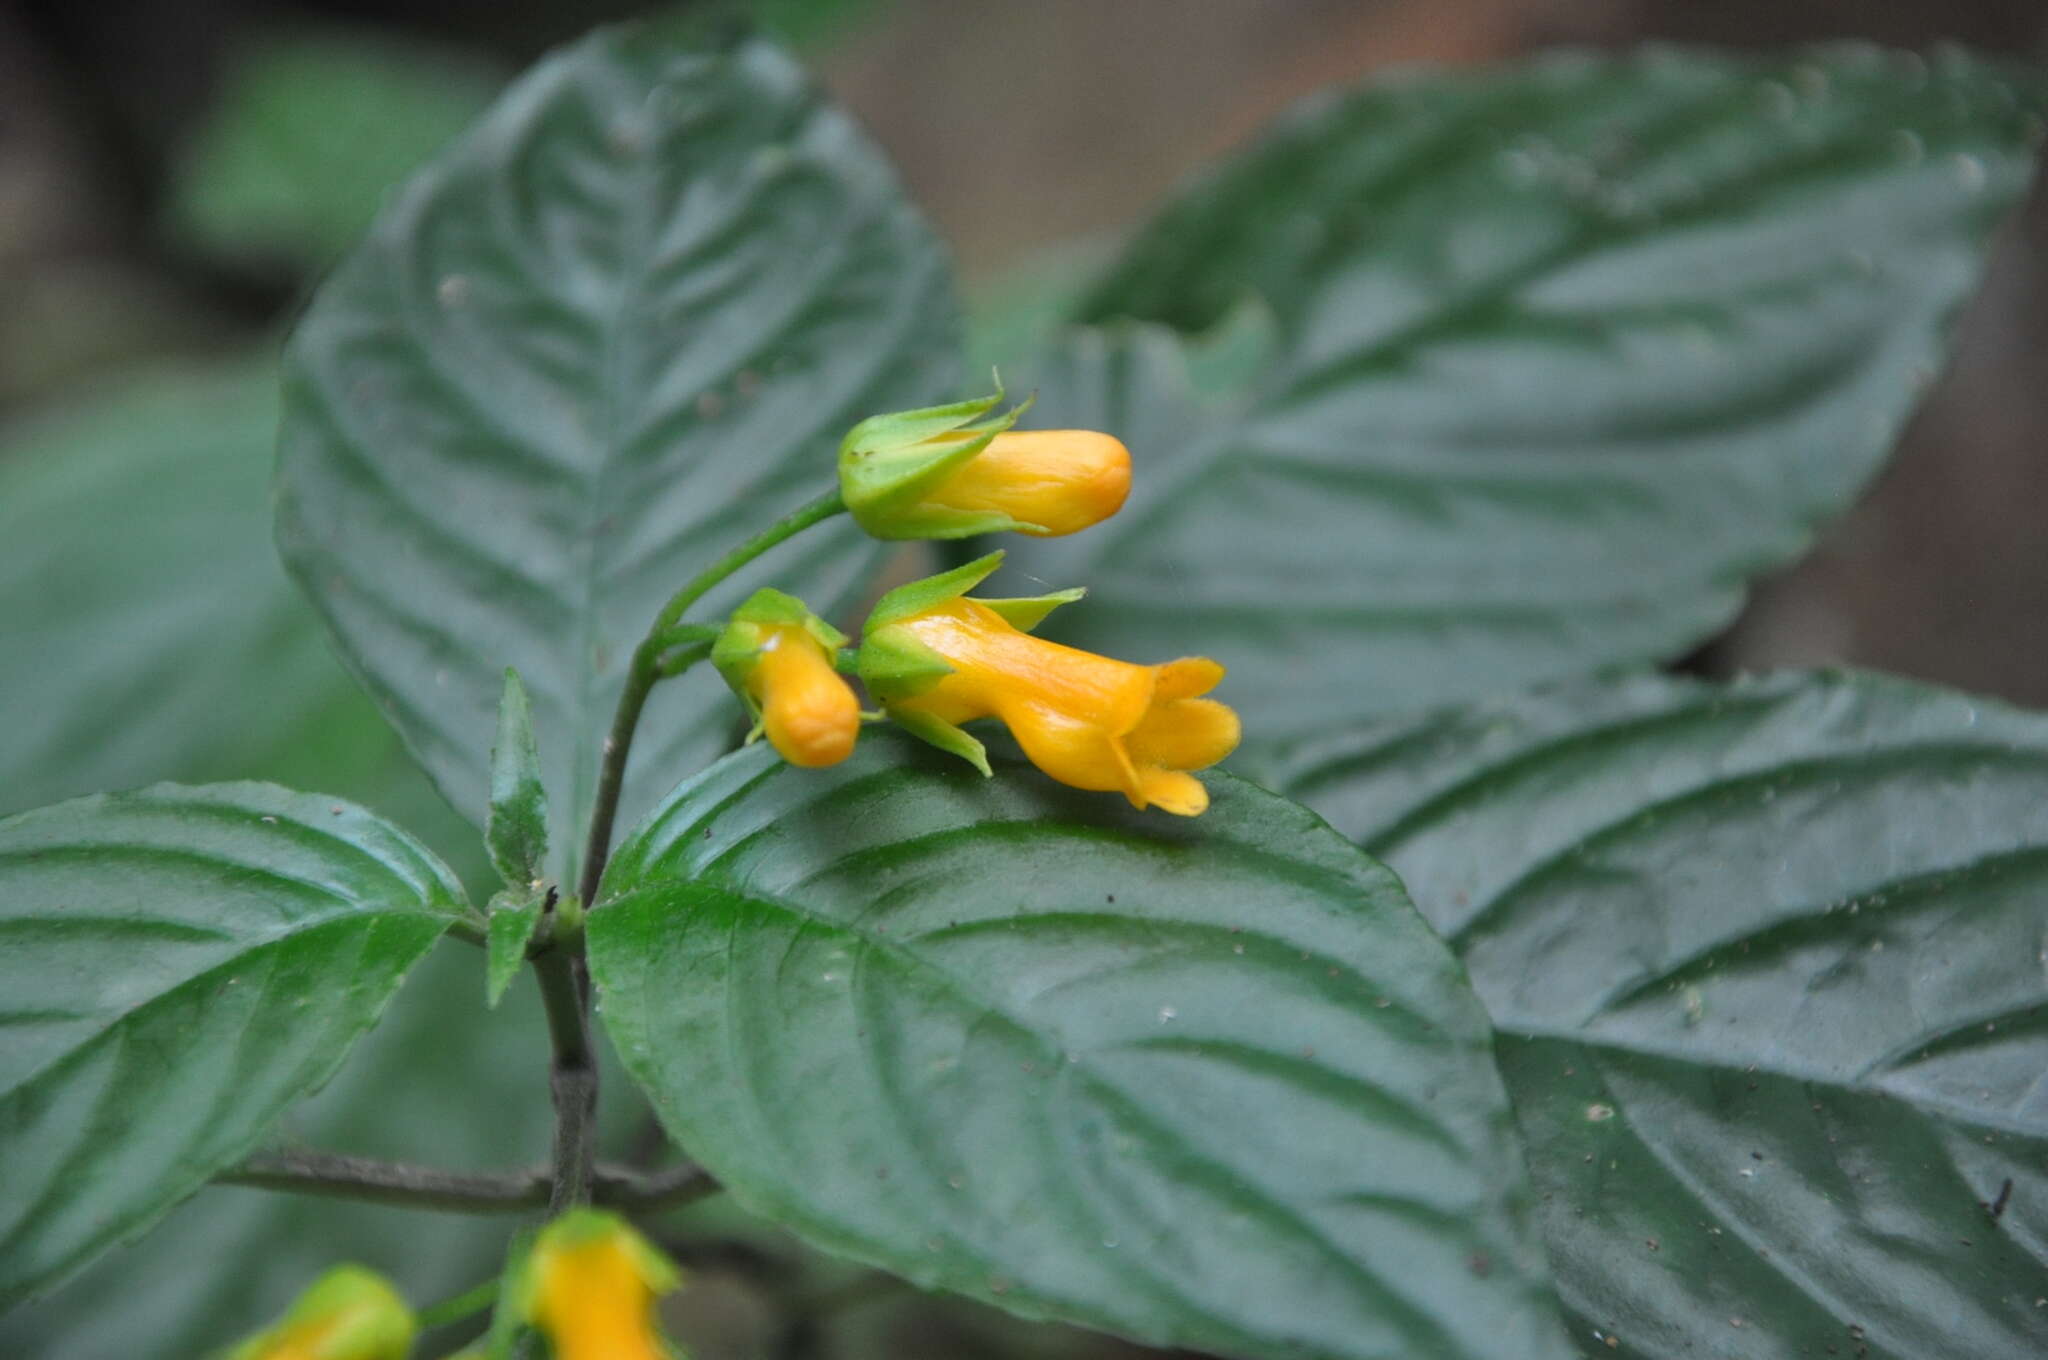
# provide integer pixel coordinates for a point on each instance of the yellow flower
(349, 1313)
(1045, 482)
(590, 1285)
(952, 471)
(936, 659)
(778, 657)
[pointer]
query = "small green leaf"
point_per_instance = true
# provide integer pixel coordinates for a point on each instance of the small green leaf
(616, 327)
(180, 965)
(517, 827)
(1565, 353)
(1767, 965)
(515, 914)
(1209, 1083)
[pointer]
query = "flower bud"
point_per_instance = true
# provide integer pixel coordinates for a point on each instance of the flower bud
(1047, 482)
(350, 1313)
(953, 471)
(589, 1286)
(778, 657)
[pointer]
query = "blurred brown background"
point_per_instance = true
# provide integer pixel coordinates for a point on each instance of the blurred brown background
(1025, 127)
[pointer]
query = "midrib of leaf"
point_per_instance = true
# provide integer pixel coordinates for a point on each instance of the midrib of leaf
(589, 727)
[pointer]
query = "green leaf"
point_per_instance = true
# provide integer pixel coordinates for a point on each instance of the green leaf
(150, 631)
(1767, 965)
(309, 132)
(1207, 1083)
(517, 827)
(620, 324)
(1567, 353)
(439, 1080)
(181, 964)
(153, 635)
(514, 916)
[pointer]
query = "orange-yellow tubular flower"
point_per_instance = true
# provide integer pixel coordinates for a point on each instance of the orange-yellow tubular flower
(936, 659)
(778, 657)
(590, 1285)
(958, 470)
(1046, 482)
(349, 1313)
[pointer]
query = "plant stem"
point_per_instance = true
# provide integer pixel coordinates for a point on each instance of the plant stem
(646, 670)
(572, 1076)
(340, 1176)
(468, 1303)
(564, 976)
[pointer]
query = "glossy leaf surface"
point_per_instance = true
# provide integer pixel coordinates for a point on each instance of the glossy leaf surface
(150, 631)
(1767, 966)
(614, 330)
(181, 964)
(1202, 1082)
(1568, 352)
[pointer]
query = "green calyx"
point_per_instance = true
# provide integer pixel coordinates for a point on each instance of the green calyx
(580, 1228)
(357, 1312)
(738, 647)
(888, 463)
(1024, 613)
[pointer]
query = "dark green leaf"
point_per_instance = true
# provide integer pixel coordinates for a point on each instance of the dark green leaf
(1209, 1083)
(150, 633)
(614, 330)
(514, 915)
(180, 965)
(154, 635)
(1768, 966)
(517, 827)
(1568, 352)
(309, 132)
(439, 1080)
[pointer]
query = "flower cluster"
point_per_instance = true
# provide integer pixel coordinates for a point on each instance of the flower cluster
(933, 659)
(588, 1284)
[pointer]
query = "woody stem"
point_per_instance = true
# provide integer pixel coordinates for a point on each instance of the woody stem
(342, 1176)
(572, 1076)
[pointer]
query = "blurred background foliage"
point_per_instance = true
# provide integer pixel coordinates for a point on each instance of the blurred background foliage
(174, 175)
